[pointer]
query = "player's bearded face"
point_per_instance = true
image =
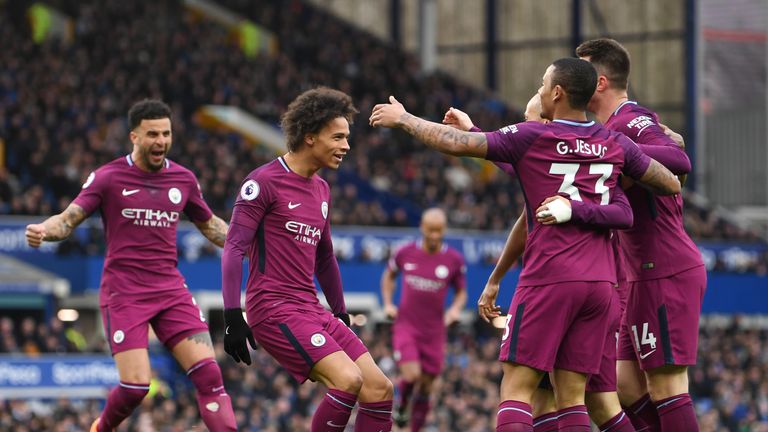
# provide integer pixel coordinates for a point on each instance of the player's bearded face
(152, 141)
(331, 144)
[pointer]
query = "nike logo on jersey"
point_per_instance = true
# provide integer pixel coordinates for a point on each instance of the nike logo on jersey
(127, 192)
(292, 206)
(643, 356)
(331, 424)
(409, 266)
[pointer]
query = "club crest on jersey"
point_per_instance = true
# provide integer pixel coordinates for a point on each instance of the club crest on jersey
(317, 340)
(118, 337)
(441, 271)
(324, 209)
(89, 180)
(174, 195)
(250, 190)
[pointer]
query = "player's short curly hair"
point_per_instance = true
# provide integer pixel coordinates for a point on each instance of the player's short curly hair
(578, 78)
(148, 109)
(311, 111)
(610, 58)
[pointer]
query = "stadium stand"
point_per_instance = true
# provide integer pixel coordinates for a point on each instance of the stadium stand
(729, 385)
(58, 130)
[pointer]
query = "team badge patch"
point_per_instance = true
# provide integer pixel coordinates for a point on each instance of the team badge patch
(174, 195)
(324, 209)
(118, 337)
(317, 340)
(441, 271)
(250, 190)
(89, 180)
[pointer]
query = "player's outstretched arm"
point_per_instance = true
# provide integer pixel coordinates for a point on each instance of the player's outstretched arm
(660, 180)
(388, 292)
(214, 229)
(57, 227)
(443, 138)
(513, 249)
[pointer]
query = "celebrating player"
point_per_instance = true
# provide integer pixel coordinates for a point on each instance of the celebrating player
(281, 220)
(140, 197)
(601, 399)
(666, 274)
(561, 308)
(429, 267)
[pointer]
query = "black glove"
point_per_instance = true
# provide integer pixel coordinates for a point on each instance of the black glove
(344, 317)
(236, 333)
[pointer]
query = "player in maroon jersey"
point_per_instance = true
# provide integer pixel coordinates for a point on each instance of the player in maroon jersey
(281, 221)
(140, 197)
(601, 400)
(562, 306)
(429, 268)
(666, 274)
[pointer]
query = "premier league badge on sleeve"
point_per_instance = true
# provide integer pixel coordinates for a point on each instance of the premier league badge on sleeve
(250, 190)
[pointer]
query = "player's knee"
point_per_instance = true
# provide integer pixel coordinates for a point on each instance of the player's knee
(382, 388)
(349, 380)
(206, 376)
(667, 381)
(602, 406)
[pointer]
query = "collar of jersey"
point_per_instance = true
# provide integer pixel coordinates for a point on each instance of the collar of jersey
(573, 123)
(285, 165)
(130, 161)
(622, 105)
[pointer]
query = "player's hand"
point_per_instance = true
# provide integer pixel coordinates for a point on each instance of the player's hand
(344, 317)
(451, 316)
(390, 311)
(35, 234)
(553, 210)
(486, 304)
(387, 115)
(676, 137)
(457, 119)
(236, 334)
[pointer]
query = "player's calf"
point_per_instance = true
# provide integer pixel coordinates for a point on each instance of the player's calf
(212, 400)
(121, 402)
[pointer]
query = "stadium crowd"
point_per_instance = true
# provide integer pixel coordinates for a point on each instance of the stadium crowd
(729, 385)
(58, 127)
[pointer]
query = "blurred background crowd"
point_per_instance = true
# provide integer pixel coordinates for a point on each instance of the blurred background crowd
(61, 126)
(729, 385)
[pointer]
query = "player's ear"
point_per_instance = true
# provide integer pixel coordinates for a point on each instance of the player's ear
(133, 136)
(309, 139)
(557, 93)
(602, 83)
